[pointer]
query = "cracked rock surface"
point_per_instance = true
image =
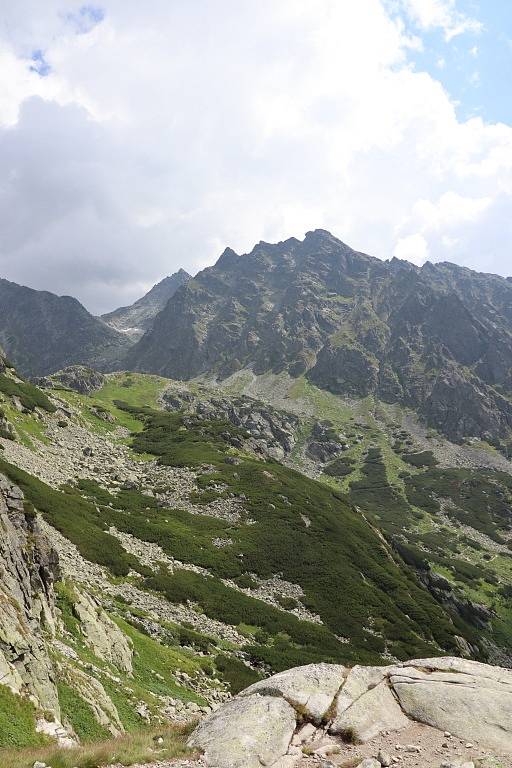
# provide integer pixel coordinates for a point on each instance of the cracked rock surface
(313, 710)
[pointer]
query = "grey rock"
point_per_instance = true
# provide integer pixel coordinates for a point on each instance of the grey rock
(246, 732)
(375, 711)
(310, 689)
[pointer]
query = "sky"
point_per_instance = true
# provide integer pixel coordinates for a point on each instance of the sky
(138, 138)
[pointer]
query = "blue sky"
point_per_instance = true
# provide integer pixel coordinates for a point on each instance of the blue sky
(475, 68)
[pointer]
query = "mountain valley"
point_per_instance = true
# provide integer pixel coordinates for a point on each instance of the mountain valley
(303, 460)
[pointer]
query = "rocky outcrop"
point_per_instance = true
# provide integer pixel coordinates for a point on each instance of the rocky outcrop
(264, 430)
(263, 725)
(93, 693)
(101, 634)
(325, 444)
(247, 733)
(28, 566)
(76, 377)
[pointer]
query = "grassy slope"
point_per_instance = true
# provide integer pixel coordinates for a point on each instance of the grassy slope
(400, 491)
(17, 721)
(326, 559)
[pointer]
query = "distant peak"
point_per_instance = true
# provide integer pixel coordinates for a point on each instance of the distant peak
(319, 233)
(228, 255)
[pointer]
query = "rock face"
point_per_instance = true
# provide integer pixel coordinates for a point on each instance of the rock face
(77, 377)
(136, 319)
(469, 699)
(28, 567)
(436, 338)
(42, 333)
(101, 634)
(312, 688)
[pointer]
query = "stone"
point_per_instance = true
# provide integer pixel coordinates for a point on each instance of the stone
(327, 749)
(375, 711)
(384, 758)
(39, 764)
(369, 762)
(288, 761)
(311, 689)
(457, 764)
(359, 680)
(247, 732)
(305, 733)
(466, 698)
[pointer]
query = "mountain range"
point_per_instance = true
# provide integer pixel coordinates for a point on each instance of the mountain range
(437, 339)
(42, 332)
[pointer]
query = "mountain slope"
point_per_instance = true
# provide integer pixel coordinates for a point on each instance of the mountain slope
(437, 339)
(161, 557)
(136, 319)
(42, 332)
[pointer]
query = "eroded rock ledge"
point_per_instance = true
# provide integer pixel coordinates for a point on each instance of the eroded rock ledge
(261, 726)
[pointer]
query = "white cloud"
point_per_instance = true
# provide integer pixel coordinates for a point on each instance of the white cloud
(160, 136)
(413, 248)
(443, 14)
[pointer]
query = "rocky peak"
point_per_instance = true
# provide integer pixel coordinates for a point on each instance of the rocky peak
(42, 332)
(134, 320)
(353, 324)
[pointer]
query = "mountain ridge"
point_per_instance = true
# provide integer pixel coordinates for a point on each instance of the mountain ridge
(42, 332)
(436, 338)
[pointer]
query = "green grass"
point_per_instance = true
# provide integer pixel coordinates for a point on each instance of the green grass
(28, 425)
(326, 405)
(79, 714)
(137, 747)
(135, 389)
(17, 722)
(138, 390)
(154, 665)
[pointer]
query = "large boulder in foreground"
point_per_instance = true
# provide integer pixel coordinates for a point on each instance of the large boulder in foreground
(246, 732)
(469, 699)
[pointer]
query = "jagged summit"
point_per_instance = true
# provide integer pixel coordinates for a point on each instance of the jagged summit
(437, 338)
